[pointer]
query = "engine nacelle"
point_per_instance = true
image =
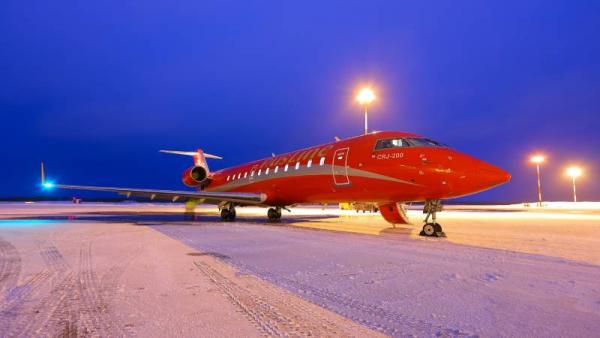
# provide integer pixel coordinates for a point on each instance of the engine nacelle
(194, 176)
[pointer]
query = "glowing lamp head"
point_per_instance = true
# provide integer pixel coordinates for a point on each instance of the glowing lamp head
(538, 159)
(574, 172)
(365, 96)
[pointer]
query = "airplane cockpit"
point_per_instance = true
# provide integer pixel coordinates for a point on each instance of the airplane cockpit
(401, 142)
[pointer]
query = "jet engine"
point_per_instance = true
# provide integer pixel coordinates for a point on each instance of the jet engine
(194, 176)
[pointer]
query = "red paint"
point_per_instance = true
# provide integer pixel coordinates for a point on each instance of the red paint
(187, 179)
(425, 173)
(392, 213)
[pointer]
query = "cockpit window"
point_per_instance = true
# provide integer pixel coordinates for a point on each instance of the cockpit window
(390, 143)
(423, 142)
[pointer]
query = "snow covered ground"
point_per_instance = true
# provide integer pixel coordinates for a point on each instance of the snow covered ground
(500, 272)
(403, 286)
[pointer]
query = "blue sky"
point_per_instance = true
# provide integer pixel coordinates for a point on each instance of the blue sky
(96, 89)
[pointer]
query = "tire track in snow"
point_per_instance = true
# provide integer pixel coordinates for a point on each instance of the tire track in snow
(53, 310)
(78, 304)
(10, 269)
(371, 315)
(10, 265)
(273, 313)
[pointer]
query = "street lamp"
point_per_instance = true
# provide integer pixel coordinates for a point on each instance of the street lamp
(574, 172)
(537, 160)
(365, 97)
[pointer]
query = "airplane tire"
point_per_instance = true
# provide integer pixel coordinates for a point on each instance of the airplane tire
(273, 215)
(428, 230)
(232, 215)
(224, 214)
(227, 214)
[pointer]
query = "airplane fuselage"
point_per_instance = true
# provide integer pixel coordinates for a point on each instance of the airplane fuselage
(370, 168)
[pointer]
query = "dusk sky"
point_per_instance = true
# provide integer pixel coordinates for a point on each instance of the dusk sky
(95, 89)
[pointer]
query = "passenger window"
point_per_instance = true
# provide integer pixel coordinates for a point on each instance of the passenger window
(259, 171)
(267, 171)
(276, 169)
(252, 173)
(286, 167)
(227, 178)
(239, 175)
(390, 143)
(322, 161)
(297, 165)
(245, 174)
(309, 164)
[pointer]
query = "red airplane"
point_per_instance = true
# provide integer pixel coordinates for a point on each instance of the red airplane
(387, 168)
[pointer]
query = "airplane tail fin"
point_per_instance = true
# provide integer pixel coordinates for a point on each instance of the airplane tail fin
(198, 155)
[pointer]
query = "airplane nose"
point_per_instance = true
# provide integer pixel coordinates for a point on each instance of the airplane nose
(491, 175)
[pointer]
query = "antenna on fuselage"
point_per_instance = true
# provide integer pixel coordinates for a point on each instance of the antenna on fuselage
(337, 139)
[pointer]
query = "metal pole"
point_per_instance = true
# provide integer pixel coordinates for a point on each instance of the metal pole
(574, 190)
(539, 186)
(366, 123)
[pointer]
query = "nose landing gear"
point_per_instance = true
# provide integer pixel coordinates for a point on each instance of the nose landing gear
(432, 229)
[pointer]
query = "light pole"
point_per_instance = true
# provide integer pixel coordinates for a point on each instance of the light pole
(574, 172)
(538, 160)
(365, 97)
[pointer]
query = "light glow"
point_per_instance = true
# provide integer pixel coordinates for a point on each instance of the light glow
(537, 159)
(574, 171)
(48, 185)
(365, 96)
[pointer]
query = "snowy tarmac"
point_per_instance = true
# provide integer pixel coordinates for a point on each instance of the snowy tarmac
(147, 270)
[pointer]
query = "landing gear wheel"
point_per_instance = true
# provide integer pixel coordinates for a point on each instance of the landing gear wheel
(432, 230)
(228, 215)
(274, 214)
(428, 230)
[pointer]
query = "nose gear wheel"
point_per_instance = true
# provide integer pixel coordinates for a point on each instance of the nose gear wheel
(432, 229)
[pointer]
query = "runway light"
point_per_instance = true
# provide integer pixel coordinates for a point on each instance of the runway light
(365, 97)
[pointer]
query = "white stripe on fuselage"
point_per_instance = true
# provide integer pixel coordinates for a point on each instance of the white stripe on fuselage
(315, 170)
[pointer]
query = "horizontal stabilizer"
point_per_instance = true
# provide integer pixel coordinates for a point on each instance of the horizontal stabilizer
(190, 153)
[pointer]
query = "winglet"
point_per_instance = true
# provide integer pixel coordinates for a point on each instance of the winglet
(43, 174)
(45, 184)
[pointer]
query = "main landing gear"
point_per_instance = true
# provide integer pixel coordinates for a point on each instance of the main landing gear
(432, 229)
(228, 213)
(274, 214)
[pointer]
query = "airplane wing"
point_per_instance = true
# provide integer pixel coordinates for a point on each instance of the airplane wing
(174, 195)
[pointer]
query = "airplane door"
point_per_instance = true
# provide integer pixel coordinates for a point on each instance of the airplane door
(339, 166)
